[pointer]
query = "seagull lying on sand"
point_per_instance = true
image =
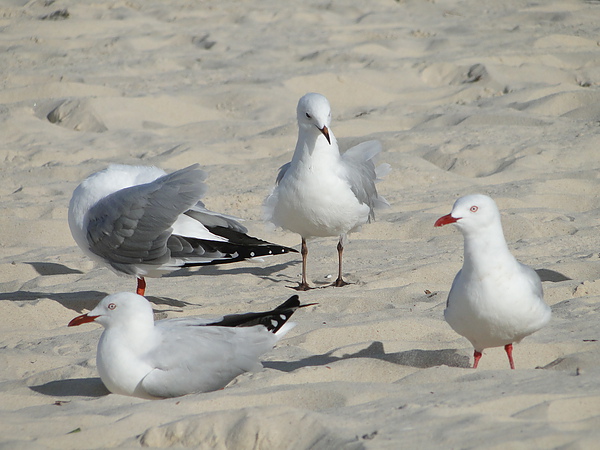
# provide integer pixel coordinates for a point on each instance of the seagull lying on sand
(320, 192)
(142, 222)
(494, 300)
(168, 358)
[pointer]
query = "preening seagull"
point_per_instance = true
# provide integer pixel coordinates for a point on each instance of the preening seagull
(143, 222)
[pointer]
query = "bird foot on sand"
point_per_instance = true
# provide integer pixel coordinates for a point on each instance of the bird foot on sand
(339, 283)
(301, 287)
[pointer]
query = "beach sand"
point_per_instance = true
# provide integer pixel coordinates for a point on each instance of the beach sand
(499, 98)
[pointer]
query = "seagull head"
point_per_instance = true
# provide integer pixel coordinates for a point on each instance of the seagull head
(314, 112)
(472, 212)
(117, 309)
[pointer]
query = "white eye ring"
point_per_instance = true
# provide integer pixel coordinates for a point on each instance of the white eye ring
(474, 208)
(111, 306)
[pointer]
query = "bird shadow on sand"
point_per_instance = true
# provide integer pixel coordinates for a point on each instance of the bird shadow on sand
(421, 359)
(48, 269)
(75, 387)
(76, 301)
(269, 273)
(551, 275)
(80, 300)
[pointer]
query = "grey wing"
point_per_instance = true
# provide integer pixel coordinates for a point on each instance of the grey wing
(131, 226)
(212, 219)
(362, 174)
(178, 322)
(282, 170)
(201, 359)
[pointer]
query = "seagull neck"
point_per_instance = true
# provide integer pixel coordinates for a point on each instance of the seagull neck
(137, 331)
(482, 247)
(313, 145)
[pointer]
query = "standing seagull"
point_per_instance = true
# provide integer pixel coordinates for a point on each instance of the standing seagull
(168, 358)
(142, 222)
(494, 300)
(320, 192)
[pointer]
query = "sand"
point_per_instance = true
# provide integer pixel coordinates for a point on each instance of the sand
(500, 98)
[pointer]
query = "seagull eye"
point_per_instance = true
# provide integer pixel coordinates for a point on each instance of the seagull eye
(474, 208)
(308, 116)
(111, 306)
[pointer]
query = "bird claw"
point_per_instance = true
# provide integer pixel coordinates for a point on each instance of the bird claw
(301, 287)
(339, 283)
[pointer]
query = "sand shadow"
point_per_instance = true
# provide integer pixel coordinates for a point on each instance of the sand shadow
(76, 301)
(76, 387)
(81, 300)
(49, 269)
(421, 359)
(551, 275)
(265, 273)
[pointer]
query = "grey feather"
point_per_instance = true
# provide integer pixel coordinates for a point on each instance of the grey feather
(282, 170)
(212, 219)
(362, 175)
(132, 225)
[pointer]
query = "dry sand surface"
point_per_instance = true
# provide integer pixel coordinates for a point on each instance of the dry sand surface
(495, 97)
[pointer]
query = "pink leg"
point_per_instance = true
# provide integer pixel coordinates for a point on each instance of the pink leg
(303, 286)
(141, 286)
(477, 356)
(509, 348)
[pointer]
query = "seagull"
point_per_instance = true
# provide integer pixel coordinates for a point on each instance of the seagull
(321, 193)
(169, 358)
(140, 221)
(494, 300)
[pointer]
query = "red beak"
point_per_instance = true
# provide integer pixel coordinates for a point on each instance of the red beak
(325, 132)
(82, 319)
(445, 220)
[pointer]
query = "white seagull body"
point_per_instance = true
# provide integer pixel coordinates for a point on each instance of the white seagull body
(494, 300)
(169, 358)
(320, 192)
(142, 222)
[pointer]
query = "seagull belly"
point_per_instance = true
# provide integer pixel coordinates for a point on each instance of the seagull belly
(318, 207)
(493, 311)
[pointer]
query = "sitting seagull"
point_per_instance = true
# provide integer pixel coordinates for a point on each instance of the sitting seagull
(494, 300)
(168, 358)
(320, 192)
(142, 222)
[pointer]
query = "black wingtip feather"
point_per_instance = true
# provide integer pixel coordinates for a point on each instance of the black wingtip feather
(227, 252)
(242, 239)
(272, 320)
